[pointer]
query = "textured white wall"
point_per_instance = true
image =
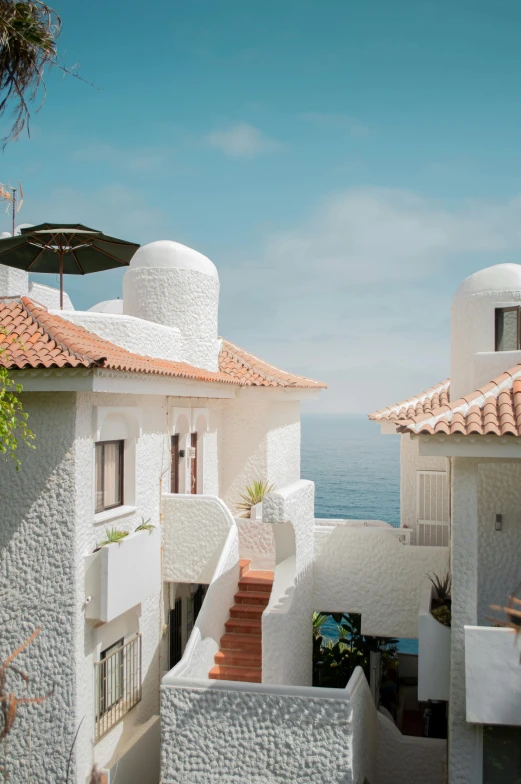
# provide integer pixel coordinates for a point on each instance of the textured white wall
(181, 298)
(256, 543)
(283, 443)
(410, 463)
(13, 282)
(260, 439)
(216, 735)
(49, 296)
(134, 334)
(195, 528)
(289, 613)
(151, 460)
(368, 571)
(499, 570)
(465, 755)
(37, 587)
(403, 758)
(493, 675)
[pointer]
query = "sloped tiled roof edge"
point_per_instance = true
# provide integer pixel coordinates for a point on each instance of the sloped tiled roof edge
(32, 337)
(423, 403)
(494, 408)
(253, 371)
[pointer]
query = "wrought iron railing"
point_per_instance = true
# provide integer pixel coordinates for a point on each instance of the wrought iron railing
(117, 684)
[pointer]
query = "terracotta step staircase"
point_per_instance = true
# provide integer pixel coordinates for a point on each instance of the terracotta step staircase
(240, 656)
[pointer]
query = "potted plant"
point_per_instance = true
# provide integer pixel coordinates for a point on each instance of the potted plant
(253, 495)
(441, 603)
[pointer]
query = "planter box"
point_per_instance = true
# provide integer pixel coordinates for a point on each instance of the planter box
(433, 653)
(119, 576)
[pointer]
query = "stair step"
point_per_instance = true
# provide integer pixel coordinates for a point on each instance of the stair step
(252, 597)
(256, 581)
(244, 625)
(244, 565)
(246, 659)
(251, 611)
(241, 642)
(253, 675)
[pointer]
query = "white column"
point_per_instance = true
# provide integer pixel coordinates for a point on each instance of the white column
(465, 747)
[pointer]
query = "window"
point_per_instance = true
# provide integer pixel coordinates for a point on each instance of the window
(508, 329)
(109, 474)
(118, 683)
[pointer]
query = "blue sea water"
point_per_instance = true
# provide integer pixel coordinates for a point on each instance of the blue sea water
(356, 471)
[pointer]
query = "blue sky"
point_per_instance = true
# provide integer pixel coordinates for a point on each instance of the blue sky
(344, 164)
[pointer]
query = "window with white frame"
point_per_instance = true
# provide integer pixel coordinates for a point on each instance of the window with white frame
(109, 474)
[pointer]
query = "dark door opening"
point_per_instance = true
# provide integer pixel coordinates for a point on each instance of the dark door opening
(175, 633)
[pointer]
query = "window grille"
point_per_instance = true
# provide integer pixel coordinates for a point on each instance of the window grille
(433, 509)
(117, 683)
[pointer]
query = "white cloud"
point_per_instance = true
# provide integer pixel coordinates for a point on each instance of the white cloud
(372, 271)
(242, 141)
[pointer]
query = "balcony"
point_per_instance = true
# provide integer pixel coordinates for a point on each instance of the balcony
(433, 652)
(493, 675)
(120, 576)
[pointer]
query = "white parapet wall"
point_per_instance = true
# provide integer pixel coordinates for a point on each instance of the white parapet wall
(404, 759)
(433, 652)
(217, 732)
(195, 529)
(492, 675)
(256, 543)
(368, 570)
(204, 641)
(133, 334)
(290, 510)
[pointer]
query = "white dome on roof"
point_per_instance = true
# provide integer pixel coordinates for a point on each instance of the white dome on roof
(108, 306)
(500, 277)
(172, 255)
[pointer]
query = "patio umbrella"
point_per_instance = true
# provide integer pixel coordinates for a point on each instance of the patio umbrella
(69, 248)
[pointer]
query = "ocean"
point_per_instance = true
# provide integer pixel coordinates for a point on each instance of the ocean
(356, 471)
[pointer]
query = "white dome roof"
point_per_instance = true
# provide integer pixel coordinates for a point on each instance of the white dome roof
(108, 306)
(501, 277)
(166, 253)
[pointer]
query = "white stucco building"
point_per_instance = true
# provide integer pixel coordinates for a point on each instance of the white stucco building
(183, 651)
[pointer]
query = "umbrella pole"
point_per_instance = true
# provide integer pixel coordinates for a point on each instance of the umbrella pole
(61, 279)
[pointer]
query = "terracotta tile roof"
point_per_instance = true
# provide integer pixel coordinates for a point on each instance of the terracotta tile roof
(494, 408)
(424, 403)
(34, 338)
(254, 372)
(31, 337)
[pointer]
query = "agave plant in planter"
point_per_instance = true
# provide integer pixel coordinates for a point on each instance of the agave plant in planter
(441, 604)
(112, 536)
(253, 495)
(145, 525)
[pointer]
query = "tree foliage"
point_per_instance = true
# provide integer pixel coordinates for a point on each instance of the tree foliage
(13, 419)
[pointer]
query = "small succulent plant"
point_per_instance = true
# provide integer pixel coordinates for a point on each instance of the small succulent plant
(112, 536)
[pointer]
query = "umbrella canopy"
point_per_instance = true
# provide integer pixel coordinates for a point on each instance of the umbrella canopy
(69, 248)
